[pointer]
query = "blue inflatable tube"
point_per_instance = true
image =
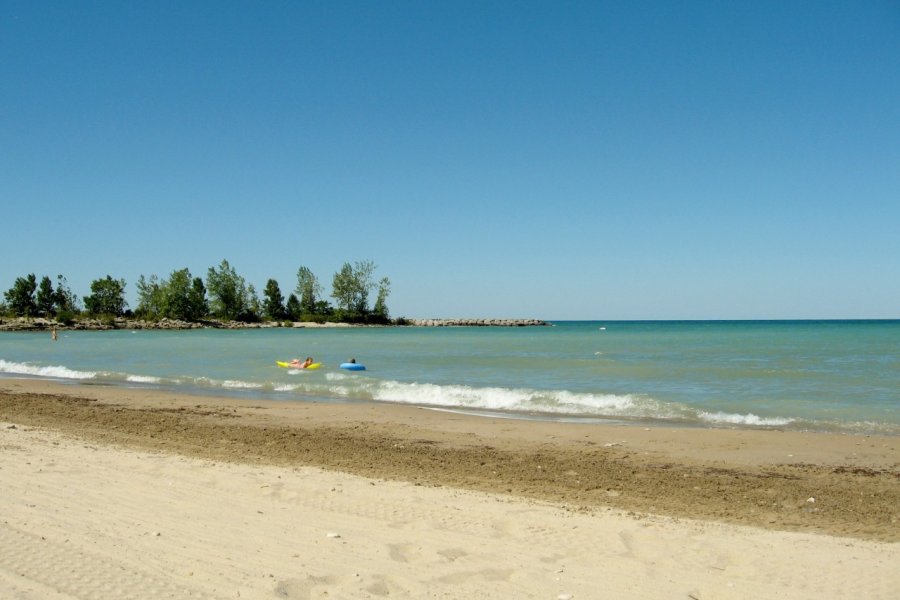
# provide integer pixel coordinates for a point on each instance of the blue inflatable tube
(353, 366)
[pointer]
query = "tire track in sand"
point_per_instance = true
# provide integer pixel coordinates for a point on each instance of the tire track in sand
(79, 574)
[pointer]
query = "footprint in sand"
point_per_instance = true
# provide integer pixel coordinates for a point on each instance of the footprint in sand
(302, 588)
(387, 586)
(404, 552)
(483, 575)
(452, 554)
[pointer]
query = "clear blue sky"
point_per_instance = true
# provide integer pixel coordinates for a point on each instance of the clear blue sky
(560, 160)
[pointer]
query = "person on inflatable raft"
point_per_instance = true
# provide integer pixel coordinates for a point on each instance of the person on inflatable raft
(301, 365)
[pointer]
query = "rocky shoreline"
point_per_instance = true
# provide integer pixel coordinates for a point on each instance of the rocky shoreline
(42, 324)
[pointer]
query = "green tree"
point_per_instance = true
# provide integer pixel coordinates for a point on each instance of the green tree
(66, 301)
(351, 286)
(342, 289)
(229, 296)
(107, 297)
(292, 308)
(150, 297)
(45, 299)
(199, 307)
(178, 295)
(323, 308)
(381, 309)
(364, 270)
(273, 305)
(20, 297)
(254, 306)
(308, 290)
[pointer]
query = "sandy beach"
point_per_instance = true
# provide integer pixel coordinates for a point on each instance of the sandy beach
(126, 493)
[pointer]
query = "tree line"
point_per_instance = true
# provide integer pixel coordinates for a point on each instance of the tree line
(224, 295)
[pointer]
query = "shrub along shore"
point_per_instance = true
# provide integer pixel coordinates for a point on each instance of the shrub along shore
(100, 324)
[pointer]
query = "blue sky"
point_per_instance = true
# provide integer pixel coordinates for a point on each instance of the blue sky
(560, 160)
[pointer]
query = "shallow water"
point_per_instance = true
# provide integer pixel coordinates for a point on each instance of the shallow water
(821, 375)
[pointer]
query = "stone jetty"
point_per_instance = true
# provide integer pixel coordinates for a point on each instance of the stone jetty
(478, 322)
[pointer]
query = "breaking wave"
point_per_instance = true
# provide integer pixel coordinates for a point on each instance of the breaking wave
(748, 419)
(550, 404)
(55, 372)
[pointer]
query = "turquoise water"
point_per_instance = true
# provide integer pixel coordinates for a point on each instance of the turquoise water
(820, 375)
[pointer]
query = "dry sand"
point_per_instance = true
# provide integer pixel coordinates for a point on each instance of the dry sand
(121, 493)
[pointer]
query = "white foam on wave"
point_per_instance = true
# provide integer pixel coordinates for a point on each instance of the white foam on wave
(342, 376)
(143, 379)
(240, 385)
(748, 419)
(57, 372)
(512, 399)
(285, 388)
(624, 405)
(448, 395)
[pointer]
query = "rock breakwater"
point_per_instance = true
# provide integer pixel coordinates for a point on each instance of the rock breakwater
(478, 322)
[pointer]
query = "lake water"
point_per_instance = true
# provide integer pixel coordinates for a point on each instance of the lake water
(818, 375)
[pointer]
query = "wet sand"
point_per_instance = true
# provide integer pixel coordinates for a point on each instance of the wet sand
(834, 484)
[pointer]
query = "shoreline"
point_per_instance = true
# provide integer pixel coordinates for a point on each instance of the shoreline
(836, 484)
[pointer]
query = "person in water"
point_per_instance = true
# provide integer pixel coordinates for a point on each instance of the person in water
(302, 365)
